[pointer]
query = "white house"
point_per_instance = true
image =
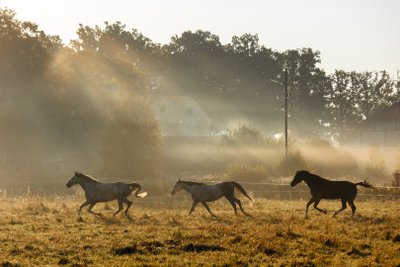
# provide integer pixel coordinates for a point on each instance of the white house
(181, 116)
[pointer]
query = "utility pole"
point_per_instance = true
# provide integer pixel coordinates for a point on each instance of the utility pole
(286, 114)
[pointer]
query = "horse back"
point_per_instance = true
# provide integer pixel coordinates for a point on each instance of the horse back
(335, 190)
(103, 192)
(207, 193)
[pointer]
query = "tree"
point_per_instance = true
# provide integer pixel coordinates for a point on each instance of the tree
(87, 103)
(24, 49)
(307, 86)
(355, 96)
(341, 103)
(246, 45)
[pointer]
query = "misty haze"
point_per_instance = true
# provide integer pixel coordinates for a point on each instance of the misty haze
(115, 106)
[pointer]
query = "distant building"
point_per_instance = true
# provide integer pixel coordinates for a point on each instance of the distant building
(181, 116)
(382, 128)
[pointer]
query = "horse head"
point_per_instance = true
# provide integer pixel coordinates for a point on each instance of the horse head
(74, 180)
(177, 187)
(298, 178)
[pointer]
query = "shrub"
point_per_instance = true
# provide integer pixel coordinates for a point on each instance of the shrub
(244, 171)
(246, 135)
(396, 178)
(292, 163)
(242, 135)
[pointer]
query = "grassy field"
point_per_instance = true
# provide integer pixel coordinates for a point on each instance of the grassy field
(38, 231)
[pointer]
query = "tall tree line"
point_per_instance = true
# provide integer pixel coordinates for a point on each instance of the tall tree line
(96, 90)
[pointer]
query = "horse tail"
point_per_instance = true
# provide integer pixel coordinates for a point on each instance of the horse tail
(241, 189)
(365, 184)
(137, 187)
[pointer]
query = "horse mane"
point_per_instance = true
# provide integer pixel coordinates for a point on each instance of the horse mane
(318, 177)
(313, 176)
(85, 176)
(191, 183)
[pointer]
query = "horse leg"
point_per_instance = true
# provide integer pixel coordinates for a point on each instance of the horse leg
(208, 208)
(129, 203)
(316, 204)
(82, 206)
(240, 206)
(353, 207)
(194, 204)
(308, 204)
(232, 201)
(120, 207)
(91, 207)
(341, 209)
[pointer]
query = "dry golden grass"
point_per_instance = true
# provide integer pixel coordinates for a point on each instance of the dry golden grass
(38, 231)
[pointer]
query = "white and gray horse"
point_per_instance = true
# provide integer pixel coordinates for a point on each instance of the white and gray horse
(103, 192)
(203, 193)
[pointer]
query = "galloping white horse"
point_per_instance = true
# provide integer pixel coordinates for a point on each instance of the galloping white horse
(103, 192)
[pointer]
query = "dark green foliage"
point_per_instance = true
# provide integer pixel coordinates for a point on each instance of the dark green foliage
(354, 97)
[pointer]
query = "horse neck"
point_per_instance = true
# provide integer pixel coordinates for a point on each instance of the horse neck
(187, 187)
(85, 183)
(311, 181)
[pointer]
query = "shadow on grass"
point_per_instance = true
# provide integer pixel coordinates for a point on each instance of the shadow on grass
(200, 248)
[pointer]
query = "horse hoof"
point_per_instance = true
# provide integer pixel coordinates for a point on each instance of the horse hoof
(325, 211)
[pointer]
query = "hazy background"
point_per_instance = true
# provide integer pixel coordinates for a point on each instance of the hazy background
(157, 91)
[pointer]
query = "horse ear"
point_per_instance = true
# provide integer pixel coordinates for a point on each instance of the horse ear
(76, 172)
(179, 179)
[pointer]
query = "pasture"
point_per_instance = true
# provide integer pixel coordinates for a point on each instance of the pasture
(37, 231)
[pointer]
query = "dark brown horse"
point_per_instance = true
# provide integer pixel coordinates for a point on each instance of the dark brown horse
(321, 188)
(203, 193)
(103, 192)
